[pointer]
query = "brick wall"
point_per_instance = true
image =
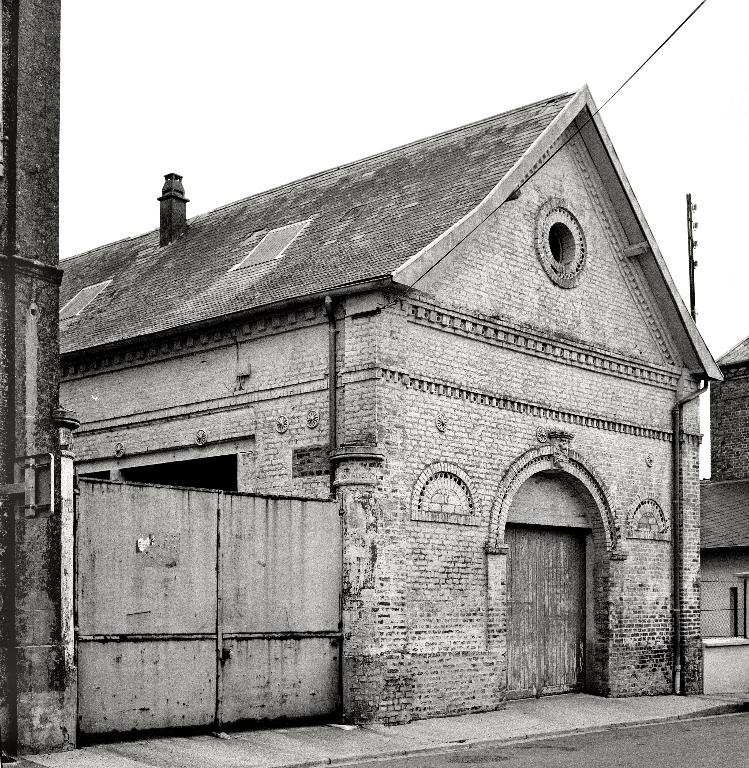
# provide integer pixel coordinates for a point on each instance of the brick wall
(690, 566)
(729, 425)
(152, 401)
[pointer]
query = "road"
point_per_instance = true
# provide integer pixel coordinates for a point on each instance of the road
(719, 742)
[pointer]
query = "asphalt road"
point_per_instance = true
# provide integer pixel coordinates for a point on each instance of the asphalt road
(722, 742)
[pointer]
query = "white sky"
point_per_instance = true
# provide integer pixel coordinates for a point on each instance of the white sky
(240, 96)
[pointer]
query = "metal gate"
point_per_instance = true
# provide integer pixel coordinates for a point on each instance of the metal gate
(545, 610)
(199, 607)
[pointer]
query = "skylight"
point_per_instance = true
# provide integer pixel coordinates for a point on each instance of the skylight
(272, 246)
(82, 299)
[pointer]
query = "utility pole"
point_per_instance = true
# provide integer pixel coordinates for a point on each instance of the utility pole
(691, 245)
(37, 644)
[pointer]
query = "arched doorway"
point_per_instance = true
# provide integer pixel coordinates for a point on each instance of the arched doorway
(548, 538)
(551, 539)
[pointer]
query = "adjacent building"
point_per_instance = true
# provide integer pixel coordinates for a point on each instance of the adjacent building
(725, 529)
(472, 343)
(725, 557)
(725, 500)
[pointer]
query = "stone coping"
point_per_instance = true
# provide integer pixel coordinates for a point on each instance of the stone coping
(719, 642)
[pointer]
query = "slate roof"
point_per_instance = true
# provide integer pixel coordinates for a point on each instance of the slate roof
(736, 355)
(367, 218)
(724, 510)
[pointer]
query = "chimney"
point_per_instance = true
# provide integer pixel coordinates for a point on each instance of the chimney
(173, 209)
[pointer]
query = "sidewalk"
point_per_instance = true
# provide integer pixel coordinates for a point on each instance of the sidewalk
(326, 745)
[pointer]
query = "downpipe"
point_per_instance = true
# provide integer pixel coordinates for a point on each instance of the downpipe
(332, 380)
(676, 506)
(332, 445)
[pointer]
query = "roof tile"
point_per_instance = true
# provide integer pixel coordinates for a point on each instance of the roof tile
(737, 355)
(724, 510)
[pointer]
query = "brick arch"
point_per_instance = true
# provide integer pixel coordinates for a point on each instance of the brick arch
(544, 459)
(657, 528)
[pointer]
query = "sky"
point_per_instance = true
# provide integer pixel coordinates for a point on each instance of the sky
(248, 95)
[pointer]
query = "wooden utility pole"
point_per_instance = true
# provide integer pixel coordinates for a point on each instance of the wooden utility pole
(691, 245)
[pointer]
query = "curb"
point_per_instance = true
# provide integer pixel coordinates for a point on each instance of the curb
(451, 746)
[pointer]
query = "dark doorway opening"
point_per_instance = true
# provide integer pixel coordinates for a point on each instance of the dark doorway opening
(214, 472)
(101, 475)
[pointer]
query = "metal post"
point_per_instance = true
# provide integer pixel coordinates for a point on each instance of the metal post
(691, 245)
(220, 655)
(332, 382)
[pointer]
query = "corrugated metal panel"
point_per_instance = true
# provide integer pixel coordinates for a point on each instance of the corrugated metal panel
(143, 685)
(281, 563)
(146, 567)
(146, 559)
(281, 581)
(196, 607)
(281, 678)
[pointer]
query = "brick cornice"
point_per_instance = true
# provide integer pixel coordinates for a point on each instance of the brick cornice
(537, 344)
(238, 401)
(131, 354)
(433, 386)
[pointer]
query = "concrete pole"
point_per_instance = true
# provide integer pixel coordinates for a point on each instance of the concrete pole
(37, 679)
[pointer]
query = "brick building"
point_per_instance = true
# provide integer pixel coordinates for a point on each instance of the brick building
(472, 342)
(725, 501)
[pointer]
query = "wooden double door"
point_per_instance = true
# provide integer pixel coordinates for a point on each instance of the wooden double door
(545, 610)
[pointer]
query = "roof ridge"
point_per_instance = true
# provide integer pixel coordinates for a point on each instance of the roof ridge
(383, 153)
(734, 347)
(335, 169)
(114, 242)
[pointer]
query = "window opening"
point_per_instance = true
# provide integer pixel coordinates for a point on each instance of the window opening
(562, 244)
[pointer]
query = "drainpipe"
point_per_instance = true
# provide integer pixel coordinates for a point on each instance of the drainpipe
(678, 688)
(332, 445)
(332, 378)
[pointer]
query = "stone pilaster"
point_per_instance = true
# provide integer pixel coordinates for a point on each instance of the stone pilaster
(357, 477)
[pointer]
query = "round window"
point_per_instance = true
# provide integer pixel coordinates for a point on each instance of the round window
(560, 244)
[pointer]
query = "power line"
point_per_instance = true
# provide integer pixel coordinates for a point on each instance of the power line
(553, 154)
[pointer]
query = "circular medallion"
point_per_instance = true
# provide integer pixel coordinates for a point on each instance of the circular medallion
(282, 424)
(441, 422)
(201, 438)
(649, 459)
(542, 435)
(560, 244)
(313, 418)
(119, 450)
